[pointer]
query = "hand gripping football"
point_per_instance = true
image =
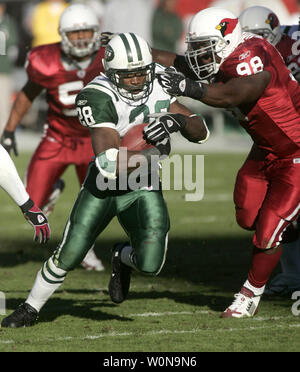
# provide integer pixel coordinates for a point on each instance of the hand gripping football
(133, 139)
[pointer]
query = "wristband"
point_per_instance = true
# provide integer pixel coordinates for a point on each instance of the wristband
(26, 206)
(195, 89)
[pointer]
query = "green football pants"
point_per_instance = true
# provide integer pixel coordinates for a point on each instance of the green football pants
(142, 214)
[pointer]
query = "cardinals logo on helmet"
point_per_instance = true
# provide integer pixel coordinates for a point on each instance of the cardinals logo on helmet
(272, 20)
(227, 25)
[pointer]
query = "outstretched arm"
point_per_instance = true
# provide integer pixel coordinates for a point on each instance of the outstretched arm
(21, 105)
(180, 118)
(235, 92)
(12, 184)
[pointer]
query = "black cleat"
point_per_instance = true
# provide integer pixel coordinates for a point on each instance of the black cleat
(24, 316)
(119, 283)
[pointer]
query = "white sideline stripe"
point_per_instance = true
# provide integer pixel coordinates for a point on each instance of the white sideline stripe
(172, 313)
(159, 332)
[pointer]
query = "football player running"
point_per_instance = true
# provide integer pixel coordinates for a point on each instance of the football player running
(62, 69)
(264, 22)
(110, 105)
(12, 184)
(256, 84)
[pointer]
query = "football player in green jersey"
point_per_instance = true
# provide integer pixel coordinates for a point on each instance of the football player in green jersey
(110, 105)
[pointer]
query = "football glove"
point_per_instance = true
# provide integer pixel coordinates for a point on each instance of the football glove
(163, 127)
(38, 220)
(105, 38)
(176, 84)
(8, 141)
(162, 149)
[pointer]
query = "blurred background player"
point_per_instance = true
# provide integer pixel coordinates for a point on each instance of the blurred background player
(166, 26)
(12, 184)
(44, 20)
(62, 69)
(264, 22)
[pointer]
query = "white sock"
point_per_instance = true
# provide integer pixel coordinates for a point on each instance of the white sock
(255, 290)
(48, 279)
(127, 256)
(290, 258)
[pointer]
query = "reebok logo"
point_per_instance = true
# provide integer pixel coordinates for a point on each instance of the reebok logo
(182, 85)
(40, 218)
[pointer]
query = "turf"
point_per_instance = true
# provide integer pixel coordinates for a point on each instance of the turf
(178, 311)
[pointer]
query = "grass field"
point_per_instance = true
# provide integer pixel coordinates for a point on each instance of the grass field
(178, 311)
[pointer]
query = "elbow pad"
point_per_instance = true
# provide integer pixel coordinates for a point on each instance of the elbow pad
(106, 162)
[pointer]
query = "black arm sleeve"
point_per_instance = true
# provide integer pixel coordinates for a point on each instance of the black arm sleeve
(32, 90)
(181, 65)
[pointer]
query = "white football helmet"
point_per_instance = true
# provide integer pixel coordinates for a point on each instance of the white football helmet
(213, 34)
(127, 54)
(74, 18)
(261, 21)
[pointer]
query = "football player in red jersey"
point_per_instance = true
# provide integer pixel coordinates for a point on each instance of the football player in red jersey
(264, 22)
(63, 69)
(253, 80)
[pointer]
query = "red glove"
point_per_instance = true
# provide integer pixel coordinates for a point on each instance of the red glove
(38, 220)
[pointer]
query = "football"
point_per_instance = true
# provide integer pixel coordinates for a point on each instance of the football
(133, 139)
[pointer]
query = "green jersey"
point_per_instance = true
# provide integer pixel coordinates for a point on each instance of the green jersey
(100, 105)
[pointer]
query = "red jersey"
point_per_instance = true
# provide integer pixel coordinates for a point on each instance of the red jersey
(44, 66)
(289, 49)
(273, 121)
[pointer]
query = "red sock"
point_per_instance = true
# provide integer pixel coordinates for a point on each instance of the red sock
(262, 266)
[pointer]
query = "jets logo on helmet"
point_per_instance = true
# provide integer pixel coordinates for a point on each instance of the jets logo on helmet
(129, 56)
(226, 26)
(109, 53)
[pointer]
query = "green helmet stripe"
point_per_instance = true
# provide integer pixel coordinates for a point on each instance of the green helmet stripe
(127, 47)
(137, 46)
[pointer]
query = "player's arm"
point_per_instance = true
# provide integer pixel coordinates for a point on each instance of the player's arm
(12, 184)
(171, 59)
(96, 110)
(21, 105)
(235, 92)
(106, 143)
(190, 125)
(110, 160)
